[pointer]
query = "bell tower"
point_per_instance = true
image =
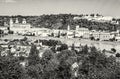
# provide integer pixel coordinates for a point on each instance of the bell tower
(11, 22)
(68, 28)
(24, 21)
(16, 21)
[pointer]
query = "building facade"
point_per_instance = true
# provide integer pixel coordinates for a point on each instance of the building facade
(102, 36)
(80, 31)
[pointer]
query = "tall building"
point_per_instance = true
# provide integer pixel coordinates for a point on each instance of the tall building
(68, 28)
(16, 20)
(102, 36)
(17, 24)
(18, 27)
(11, 22)
(80, 31)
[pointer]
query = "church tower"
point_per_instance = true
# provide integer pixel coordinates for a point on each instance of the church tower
(24, 21)
(16, 21)
(11, 22)
(68, 28)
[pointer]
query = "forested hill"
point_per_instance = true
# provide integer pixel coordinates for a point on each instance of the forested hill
(61, 21)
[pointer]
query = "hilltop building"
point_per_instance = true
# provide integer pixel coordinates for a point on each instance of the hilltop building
(19, 27)
(25, 28)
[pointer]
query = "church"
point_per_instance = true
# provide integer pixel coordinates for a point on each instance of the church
(24, 24)
(19, 27)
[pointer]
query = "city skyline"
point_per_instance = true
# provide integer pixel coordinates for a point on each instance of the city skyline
(39, 7)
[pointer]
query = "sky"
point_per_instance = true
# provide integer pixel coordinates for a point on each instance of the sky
(39, 7)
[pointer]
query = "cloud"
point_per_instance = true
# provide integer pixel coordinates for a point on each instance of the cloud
(10, 1)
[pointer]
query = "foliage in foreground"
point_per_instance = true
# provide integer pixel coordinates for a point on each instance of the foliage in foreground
(92, 64)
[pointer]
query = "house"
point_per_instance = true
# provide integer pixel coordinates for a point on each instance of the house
(75, 67)
(87, 35)
(70, 34)
(80, 31)
(96, 35)
(39, 31)
(105, 36)
(117, 38)
(102, 36)
(3, 28)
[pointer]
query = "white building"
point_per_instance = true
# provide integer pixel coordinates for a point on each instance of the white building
(19, 27)
(102, 36)
(25, 28)
(87, 35)
(81, 31)
(3, 28)
(70, 34)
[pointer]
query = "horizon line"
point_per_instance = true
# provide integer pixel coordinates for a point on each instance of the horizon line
(55, 14)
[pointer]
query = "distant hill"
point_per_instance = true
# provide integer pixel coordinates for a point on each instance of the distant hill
(61, 21)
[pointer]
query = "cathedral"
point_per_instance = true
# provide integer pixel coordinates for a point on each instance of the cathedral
(17, 27)
(24, 24)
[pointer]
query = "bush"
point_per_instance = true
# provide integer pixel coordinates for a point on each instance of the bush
(113, 50)
(63, 47)
(10, 32)
(6, 40)
(117, 55)
(92, 38)
(50, 42)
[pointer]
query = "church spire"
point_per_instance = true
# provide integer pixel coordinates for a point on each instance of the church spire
(16, 20)
(68, 28)
(11, 22)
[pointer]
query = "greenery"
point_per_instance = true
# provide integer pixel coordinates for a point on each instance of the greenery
(61, 21)
(92, 64)
(11, 69)
(49, 42)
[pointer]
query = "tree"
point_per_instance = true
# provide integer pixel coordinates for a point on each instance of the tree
(74, 34)
(10, 32)
(63, 47)
(66, 58)
(92, 15)
(33, 56)
(35, 71)
(24, 39)
(10, 68)
(73, 47)
(85, 49)
(113, 50)
(92, 38)
(50, 64)
(97, 66)
(98, 15)
(117, 55)
(59, 34)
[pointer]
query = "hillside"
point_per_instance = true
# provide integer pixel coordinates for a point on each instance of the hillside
(61, 21)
